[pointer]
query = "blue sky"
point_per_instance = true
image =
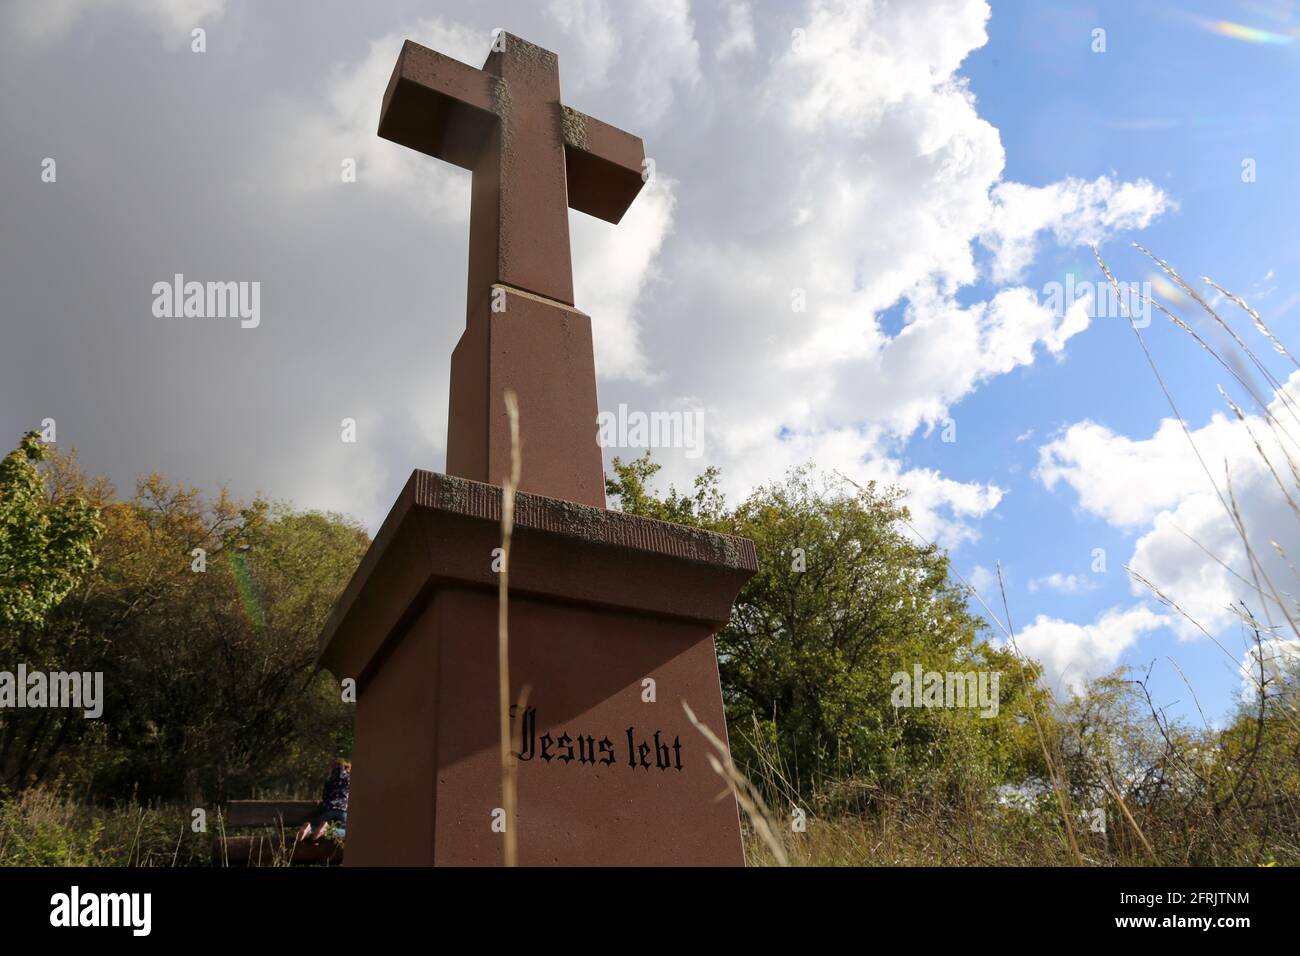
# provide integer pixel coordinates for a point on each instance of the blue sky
(918, 172)
(1178, 102)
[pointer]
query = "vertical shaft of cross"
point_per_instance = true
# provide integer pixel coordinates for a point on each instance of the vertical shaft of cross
(519, 207)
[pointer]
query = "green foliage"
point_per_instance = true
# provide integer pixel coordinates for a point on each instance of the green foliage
(45, 545)
(843, 600)
(224, 697)
(43, 828)
(629, 492)
(209, 677)
(1177, 793)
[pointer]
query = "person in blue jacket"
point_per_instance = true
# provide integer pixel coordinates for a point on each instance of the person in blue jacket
(333, 805)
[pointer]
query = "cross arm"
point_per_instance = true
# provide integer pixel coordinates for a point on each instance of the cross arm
(602, 165)
(437, 105)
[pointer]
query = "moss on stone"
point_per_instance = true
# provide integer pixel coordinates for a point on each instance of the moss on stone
(454, 493)
(501, 106)
(574, 125)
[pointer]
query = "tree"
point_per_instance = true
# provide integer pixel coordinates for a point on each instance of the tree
(202, 614)
(844, 599)
(215, 690)
(45, 545)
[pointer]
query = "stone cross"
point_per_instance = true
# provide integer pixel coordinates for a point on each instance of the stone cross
(532, 159)
(612, 616)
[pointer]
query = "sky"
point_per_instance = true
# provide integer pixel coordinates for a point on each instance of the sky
(852, 252)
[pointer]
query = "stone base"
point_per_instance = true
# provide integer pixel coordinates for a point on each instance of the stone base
(599, 603)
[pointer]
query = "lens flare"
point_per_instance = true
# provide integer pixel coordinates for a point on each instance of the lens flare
(1239, 31)
(250, 601)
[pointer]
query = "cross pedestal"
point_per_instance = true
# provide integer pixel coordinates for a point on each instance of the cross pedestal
(599, 601)
(612, 617)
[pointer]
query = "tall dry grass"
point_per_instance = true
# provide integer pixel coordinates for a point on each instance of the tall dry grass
(510, 743)
(509, 783)
(1279, 606)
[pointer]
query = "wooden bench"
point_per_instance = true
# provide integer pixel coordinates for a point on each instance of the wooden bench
(277, 847)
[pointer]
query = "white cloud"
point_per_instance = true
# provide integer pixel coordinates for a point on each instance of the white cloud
(1268, 666)
(318, 135)
(1077, 213)
(46, 21)
(1190, 548)
(738, 31)
(648, 50)
(1129, 482)
(601, 41)
(856, 61)
(612, 265)
(982, 580)
(1062, 583)
(1072, 654)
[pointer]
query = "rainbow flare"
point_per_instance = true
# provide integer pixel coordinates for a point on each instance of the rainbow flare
(1239, 31)
(249, 600)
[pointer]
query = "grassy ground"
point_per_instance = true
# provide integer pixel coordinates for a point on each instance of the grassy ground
(918, 838)
(928, 838)
(40, 829)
